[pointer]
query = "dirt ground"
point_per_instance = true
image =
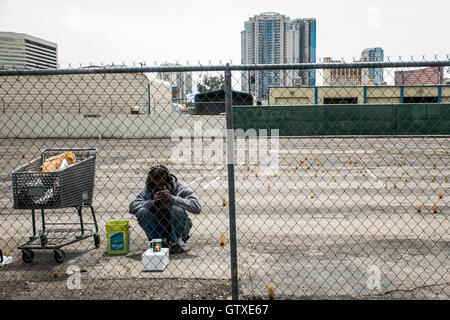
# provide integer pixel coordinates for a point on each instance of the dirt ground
(175, 289)
(125, 289)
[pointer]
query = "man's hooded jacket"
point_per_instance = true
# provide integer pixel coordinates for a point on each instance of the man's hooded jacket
(182, 196)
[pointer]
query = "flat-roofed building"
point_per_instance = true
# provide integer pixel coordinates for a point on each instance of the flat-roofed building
(22, 51)
(346, 76)
(372, 94)
(418, 77)
(88, 94)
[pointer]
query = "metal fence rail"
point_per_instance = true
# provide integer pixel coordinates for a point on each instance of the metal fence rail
(333, 189)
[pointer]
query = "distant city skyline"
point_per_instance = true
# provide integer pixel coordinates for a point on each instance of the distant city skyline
(140, 31)
(274, 38)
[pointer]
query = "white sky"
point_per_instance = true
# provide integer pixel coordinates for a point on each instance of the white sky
(158, 31)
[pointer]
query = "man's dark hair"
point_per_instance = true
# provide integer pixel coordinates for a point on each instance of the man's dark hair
(157, 173)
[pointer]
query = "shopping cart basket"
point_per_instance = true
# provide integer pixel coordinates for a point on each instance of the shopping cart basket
(71, 187)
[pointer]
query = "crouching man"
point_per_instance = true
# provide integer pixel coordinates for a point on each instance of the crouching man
(160, 209)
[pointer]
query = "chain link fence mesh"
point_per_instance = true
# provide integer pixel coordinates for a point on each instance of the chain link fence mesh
(340, 185)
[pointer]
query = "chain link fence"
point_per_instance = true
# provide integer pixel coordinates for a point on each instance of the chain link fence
(314, 181)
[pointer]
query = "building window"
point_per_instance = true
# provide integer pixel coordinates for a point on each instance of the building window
(340, 100)
(420, 100)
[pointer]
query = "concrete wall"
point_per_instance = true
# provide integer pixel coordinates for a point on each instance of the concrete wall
(37, 126)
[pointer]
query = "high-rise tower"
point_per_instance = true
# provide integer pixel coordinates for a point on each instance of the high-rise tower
(374, 55)
(272, 38)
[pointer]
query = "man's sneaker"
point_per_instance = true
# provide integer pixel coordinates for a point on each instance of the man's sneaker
(179, 247)
(165, 244)
(183, 245)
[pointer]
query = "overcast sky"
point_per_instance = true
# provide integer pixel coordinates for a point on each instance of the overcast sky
(179, 30)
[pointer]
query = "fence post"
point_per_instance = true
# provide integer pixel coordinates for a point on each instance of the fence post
(148, 99)
(231, 189)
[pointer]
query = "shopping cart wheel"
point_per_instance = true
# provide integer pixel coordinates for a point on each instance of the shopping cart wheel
(27, 255)
(97, 241)
(59, 255)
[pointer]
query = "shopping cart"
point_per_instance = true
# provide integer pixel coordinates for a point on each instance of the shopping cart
(71, 187)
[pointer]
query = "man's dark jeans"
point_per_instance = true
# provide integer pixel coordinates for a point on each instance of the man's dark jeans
(169, 225)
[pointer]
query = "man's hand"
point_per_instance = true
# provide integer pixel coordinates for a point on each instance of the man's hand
(162, 197)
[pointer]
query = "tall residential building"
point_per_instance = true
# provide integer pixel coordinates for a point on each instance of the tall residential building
(306, 50)
(22, 51)
(374, 55)
(181, 82)
(272, 38)
(346, 76)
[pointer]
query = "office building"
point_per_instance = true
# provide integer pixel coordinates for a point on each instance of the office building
(272, 38)
(374, 55)
(22, 51)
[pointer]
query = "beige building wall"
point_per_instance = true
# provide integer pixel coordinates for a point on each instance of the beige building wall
(288, 96)
(291, 96)
(420, 92)
(349, 92)
(445, 94)
(382, 95)
(86, 94)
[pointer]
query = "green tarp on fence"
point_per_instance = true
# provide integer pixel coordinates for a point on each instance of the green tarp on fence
(321, 120)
